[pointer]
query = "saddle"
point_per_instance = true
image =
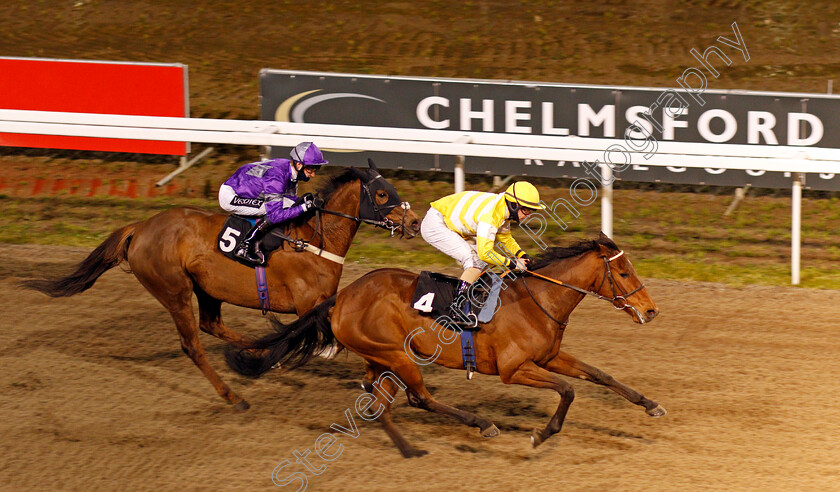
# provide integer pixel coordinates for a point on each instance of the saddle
(435, 296)
(237, 226)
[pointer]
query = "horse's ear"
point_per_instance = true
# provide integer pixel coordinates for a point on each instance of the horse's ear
(603, 236)
(361, 174)
(372, 165)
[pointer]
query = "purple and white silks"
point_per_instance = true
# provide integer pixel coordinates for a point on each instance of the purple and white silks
(260, 188)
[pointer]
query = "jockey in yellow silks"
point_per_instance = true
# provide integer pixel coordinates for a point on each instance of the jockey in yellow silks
(454, 221)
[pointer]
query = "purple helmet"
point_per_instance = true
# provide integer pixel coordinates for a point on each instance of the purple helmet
(308, 154)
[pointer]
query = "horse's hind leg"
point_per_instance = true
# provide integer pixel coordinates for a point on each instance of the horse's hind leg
(385, 390)
(174, 291)
(159, 269)
(191, 345)
(210, 320)
(370, 375)
(419, 397)
(568, 365)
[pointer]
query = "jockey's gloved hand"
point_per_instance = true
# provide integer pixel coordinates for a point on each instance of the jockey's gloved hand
(306, 201)
(518, 265)
(527, 259)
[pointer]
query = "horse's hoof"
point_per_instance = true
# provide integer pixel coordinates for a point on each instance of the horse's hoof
(491, 431)
(414, 453)
(657, 411)
(242, 406)
(536, 438)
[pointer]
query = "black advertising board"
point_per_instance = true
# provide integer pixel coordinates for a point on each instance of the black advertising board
(531, 108)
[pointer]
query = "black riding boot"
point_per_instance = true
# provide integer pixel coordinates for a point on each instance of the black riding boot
(463, 316)
(248, 249)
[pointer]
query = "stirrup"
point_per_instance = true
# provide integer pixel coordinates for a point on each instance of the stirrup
(471, 323)
(244, 253)
(465, 320)
(470, 372)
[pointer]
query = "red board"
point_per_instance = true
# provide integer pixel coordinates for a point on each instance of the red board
(93, 87)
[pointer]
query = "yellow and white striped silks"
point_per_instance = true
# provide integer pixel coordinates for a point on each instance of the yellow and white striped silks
(481, 215)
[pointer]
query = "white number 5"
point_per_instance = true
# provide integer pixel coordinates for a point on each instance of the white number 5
(424, 304)
(228, 240)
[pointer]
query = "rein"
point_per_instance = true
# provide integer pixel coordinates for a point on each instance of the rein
(385, 223)
(562, 324)
(620, 297)
(381, 221)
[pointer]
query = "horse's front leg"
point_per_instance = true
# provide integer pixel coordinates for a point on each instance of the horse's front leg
(530, 374)
(567, 365)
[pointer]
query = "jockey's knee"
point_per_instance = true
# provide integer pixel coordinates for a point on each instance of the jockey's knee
(470, 274)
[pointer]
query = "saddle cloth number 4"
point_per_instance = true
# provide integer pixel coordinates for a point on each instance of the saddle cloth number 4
(424, 304)
(229, 239)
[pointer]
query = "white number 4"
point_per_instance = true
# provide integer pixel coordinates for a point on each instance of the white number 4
(228, 241)
(424, 304)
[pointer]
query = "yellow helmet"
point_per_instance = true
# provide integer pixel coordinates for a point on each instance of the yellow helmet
(524, 194)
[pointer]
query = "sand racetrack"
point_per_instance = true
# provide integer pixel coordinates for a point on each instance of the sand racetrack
(97, 395)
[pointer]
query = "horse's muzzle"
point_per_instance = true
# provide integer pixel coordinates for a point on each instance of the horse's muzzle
(413, 228)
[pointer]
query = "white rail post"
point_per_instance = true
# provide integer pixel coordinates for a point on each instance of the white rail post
(606, 200)
(795, 228)
(459, 164)
(459, 174)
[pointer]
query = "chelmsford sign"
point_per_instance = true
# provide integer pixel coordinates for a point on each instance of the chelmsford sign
(530, 108)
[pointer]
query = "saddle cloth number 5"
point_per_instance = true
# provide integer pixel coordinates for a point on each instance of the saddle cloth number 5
(228, 240)
(424, 304)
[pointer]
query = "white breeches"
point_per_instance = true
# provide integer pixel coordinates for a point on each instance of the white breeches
(435, 232)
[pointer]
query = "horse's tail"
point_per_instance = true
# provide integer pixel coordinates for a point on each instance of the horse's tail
(290, 345)
(106, 256)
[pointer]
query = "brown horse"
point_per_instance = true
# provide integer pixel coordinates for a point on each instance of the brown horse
(373, 318)
(175, 255)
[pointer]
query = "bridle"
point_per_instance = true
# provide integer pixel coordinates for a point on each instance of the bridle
(380, 213)
(622, 296)
(618, 299)
(379, 220)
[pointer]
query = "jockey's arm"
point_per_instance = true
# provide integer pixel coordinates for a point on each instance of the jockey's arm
(506, 238)
(486, 236)
(276, 213)
(277, 198)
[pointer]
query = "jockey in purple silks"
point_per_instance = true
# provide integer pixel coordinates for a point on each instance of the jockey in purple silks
(268, 190)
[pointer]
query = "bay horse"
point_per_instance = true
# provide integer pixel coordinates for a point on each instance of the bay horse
(175, 255)
(373, 317)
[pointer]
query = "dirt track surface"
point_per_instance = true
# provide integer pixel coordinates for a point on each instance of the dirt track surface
(97, 395)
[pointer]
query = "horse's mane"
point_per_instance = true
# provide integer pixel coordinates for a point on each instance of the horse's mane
(325, 191)
(558, 252)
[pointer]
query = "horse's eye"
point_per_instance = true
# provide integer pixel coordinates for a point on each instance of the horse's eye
(624, 275)
(381, 194)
